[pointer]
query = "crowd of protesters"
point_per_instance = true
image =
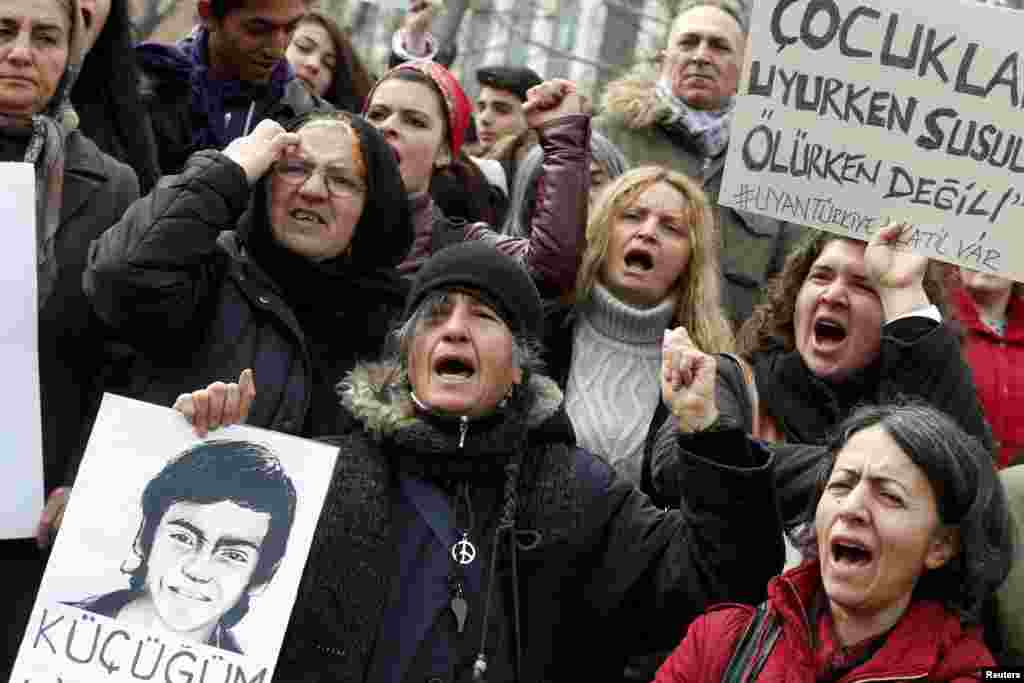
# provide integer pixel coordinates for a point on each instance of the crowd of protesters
(741, 449)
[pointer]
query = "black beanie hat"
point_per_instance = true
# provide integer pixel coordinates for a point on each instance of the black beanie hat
(515, 79)
(500, 279)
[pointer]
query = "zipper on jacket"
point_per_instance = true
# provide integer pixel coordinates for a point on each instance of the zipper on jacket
(248, 119)
(463, 428)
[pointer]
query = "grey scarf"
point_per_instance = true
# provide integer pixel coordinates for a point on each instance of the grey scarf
(709, 128)
(46, 153)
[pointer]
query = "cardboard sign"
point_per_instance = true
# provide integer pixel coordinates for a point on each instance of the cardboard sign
(179, 559)
(21, 465)
(853, 113)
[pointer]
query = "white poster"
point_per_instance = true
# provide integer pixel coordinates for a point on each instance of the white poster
(855, 112)
(21, 447)
(179, 558)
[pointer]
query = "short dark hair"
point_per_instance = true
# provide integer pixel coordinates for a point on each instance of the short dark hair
(514, 79)
(221, 8)
(245, 473)
(968, 494)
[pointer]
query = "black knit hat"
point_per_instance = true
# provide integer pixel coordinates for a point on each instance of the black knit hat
(515, 79)
(500, 279)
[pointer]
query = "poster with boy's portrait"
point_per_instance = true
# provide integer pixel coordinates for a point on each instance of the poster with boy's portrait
(179, 558)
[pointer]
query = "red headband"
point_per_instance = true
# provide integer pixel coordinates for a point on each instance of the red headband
(458, 105)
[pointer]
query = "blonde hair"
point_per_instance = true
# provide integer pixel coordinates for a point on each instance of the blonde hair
(698, 291)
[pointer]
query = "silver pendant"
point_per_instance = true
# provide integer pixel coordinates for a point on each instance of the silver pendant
(460, 608)
(463, 551)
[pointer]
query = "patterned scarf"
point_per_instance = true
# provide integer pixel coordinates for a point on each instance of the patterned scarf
(709, 128)
(47, 133)
(45, 152)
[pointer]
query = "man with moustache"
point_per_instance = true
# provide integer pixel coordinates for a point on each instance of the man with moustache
(229, 74)
(215, 526)
(680, 118)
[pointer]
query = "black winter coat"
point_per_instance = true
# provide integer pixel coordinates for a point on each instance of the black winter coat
(199, 309)
(599, 567)
(919, 358)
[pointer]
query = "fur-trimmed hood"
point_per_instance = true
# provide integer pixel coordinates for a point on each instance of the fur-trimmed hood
(631, 100)
(378, 395)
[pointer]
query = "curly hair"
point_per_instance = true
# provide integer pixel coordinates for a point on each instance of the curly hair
(969, 497)
(771, 323)
(698, 305)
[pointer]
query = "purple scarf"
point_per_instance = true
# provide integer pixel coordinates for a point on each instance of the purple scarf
(188, 60)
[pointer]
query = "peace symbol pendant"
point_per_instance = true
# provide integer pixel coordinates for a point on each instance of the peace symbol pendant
(463, 551)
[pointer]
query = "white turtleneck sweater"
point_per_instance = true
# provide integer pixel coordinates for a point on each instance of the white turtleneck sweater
(615, 377)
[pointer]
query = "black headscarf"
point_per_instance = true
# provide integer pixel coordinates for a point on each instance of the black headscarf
(106, 97)
(344, 305)
(382, 236)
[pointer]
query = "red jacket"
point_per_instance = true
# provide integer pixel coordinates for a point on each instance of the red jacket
(928, 643)
(997, 364)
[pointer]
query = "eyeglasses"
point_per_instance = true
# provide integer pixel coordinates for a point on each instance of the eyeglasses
(338, 183)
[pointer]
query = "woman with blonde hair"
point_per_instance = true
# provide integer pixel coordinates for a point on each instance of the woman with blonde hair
(650, 265)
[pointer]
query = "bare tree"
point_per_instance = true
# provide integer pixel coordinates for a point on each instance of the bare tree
(149, 15)
(516, 24)
(447, 29)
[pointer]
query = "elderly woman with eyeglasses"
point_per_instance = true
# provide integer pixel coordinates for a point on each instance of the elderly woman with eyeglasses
(276, 254)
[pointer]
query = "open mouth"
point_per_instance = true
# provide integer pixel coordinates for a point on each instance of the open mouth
(850, 553)
(307, 216)
(639, 260)
(87, 18)
(454, 368)
(829, 331)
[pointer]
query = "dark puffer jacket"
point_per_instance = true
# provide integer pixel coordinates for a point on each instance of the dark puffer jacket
(593, 566)
(201, 304)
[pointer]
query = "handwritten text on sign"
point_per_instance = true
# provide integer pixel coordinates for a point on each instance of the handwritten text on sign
(855, 112)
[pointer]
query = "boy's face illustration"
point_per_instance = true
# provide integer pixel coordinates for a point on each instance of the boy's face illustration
(201, 563)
